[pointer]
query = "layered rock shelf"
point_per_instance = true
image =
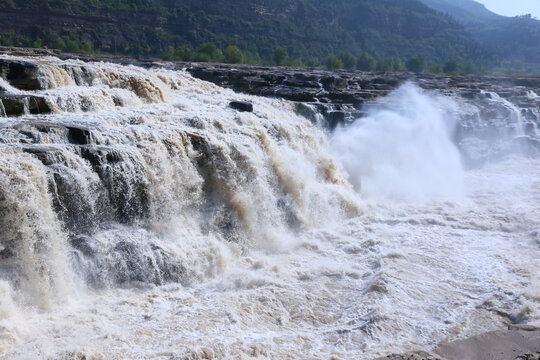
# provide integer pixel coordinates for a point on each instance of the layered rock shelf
(345, 95)
(339, 95)
(491, 105)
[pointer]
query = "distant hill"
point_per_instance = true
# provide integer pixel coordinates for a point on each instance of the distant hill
(466, 11)
(307, 28)
(515, 39)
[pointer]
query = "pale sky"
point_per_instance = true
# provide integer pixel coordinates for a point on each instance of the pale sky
(513, 7)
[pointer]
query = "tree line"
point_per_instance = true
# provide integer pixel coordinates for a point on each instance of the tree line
(209, 52)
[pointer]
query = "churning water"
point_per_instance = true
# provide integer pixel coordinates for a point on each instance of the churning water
(147, 219)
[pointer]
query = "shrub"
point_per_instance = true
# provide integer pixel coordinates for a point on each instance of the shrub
(333, 62)
(280, 55)
(348, 60)
(233, 55)
(366, 62)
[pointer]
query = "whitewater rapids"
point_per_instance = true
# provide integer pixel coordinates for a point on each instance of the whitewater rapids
(176, 227)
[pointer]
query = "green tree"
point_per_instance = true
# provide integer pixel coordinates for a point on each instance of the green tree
(348, 59)
(384, 64)
(397, 64)
(72, 44)
(60, 44)
(208, 52)
(168, 54)
(38, 43)
(433, 68)
(313, 62)
(416, 64)
(295, 62)
(333, 62)
(470, 68)
(233, 55)
(183, 53)
(88, 47)
(252, 57)
(280, 55)
(366, 62)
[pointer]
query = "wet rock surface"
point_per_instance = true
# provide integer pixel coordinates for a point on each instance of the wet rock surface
(491, 106)
(241, 106)
(344, 95)
(16, 105)
(20, 74)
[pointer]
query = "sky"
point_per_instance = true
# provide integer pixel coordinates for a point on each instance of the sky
(513, 7)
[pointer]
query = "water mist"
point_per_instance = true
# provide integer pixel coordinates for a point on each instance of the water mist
(403, 148)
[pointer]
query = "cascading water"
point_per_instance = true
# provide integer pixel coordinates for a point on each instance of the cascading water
(145, 218)
(497, 128)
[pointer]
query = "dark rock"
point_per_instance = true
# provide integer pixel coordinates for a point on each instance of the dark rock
(328, 82)
(21, 51)
(308, 111)
(148, 263)
(119, 173)
(38, 105)
(241, 106)
(78, 136)
(469, 95)
(47, 154)
(20, 74)
(335, 118)
(14, 105)
(295, 94)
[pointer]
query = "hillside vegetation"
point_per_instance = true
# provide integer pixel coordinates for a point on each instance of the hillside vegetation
(365, 34)
(305, 28)
(515, 40)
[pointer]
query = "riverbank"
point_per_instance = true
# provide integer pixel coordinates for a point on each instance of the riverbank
(516, 343)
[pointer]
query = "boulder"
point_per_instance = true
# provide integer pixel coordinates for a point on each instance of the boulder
(241, 106)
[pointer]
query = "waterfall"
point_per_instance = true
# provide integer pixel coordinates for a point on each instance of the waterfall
(141, 216)
(149, 176)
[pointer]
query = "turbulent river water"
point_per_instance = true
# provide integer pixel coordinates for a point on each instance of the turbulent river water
(146, 219)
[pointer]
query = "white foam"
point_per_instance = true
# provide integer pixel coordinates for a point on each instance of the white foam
(403, 148)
